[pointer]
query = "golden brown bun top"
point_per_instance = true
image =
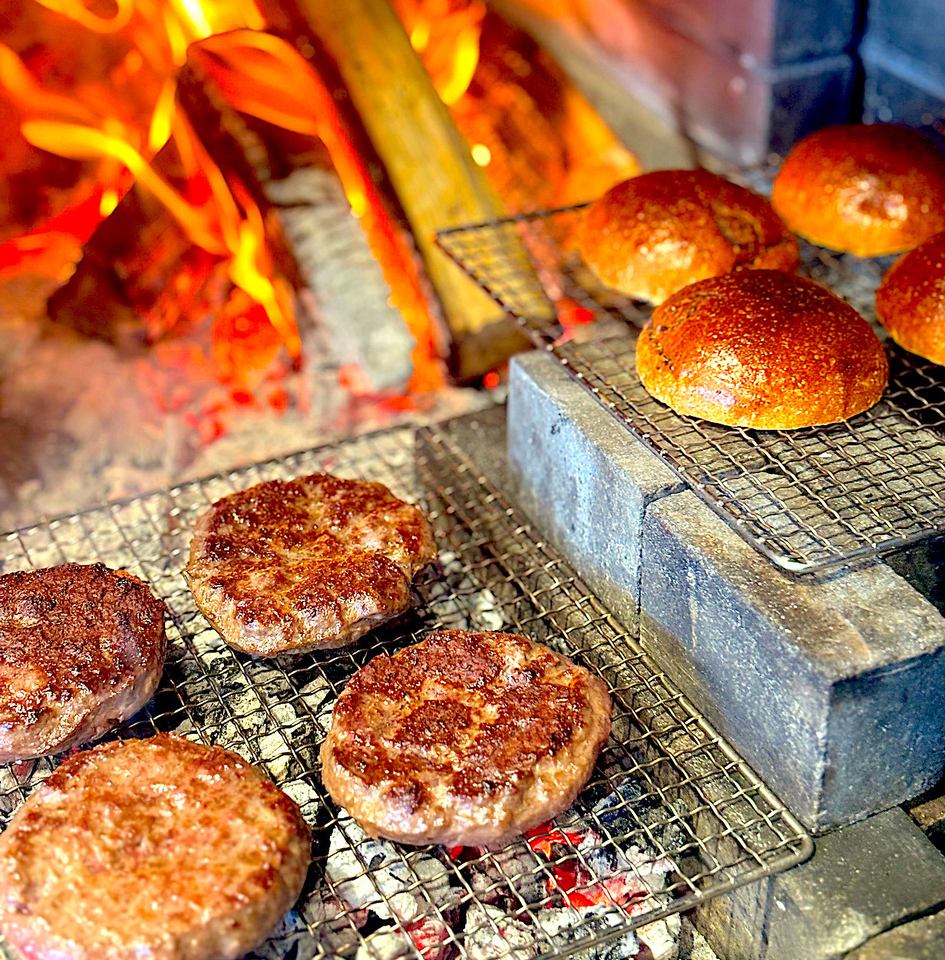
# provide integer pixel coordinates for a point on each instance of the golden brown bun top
(868, 190)
(910, 302)
(652, 234)
(761, 349)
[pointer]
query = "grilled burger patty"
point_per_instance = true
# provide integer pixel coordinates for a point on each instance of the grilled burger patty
(306, 564)
(161, 849)
(81, 649)
(464, 738)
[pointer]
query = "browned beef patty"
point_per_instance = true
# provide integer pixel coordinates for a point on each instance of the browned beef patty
(159, 848)
(81, 649)
(290, 566)
(464, 738)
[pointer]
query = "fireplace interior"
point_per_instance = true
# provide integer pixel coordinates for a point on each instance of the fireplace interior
(244, 240)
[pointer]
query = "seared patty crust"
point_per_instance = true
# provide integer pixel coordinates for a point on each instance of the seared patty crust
(159, 848)
(82, 648)
(464, 738)
(297, 565)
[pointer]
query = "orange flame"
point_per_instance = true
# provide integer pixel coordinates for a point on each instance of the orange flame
(263, 76)
(446, 34)
(229, 226)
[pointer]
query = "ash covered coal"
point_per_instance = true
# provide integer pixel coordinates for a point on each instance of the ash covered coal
(431, 938)
(459, 601)
(567, 927)
(491, 933)
(389, 881)
(321, 925)
(507, 878)
(598, 868)
(559, 887)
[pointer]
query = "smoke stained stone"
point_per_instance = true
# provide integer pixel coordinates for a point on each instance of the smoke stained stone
(826, 687)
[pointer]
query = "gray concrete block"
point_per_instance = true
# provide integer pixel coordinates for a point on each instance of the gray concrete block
(764, 31)
(579, 475)
(914, 30)
(897, 87)
(862, 881)
(832, 690)
(738, 109)
(919, 940)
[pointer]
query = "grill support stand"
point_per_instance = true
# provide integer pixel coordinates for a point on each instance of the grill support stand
(826, 687)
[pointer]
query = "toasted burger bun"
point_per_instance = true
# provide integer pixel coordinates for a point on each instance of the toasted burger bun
(761, 349)
(910, 302)
(649, 236)
(868, 190)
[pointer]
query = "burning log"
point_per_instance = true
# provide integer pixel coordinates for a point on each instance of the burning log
(140, 275)
(429, 165)
(201, 213)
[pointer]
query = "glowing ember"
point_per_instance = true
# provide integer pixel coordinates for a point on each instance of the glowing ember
(538, 141)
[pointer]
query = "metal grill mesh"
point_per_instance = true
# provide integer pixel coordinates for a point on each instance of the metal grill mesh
(680, 799)
(810, 500)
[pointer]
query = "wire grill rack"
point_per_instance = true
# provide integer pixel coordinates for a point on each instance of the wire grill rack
(809, 500)
(671, 814)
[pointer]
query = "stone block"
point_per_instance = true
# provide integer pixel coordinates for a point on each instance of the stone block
(862, 881)
(738, 109)
(825, 687)
(913, 30)
(578, 474)
(898, 88)
(919, 940)
(765, 31)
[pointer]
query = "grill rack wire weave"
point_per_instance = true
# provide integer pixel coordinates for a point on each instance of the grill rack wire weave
(695, 807)
(810, 500)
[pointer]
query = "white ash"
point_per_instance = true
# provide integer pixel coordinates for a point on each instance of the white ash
(388, 943)
(244, 708)
(661, 937)
(623, 812)
(388, 880)
(321, 924)
(509, 877)
(568, 925)
(346, 282)
(458, 600)
(609, 860)
(491, 934)
(430, 938)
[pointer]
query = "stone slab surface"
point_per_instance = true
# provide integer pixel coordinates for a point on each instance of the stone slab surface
(580, 478)
(919, 940)
(860, 882)
(823, 686)
(898, 88)
(863, 880)
(736, 109)
(912, 30)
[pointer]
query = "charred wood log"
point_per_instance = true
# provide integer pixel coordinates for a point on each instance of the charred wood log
(141, 276)
(425, 157)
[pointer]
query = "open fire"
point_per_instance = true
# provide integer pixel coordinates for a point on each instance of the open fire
(126, 127)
